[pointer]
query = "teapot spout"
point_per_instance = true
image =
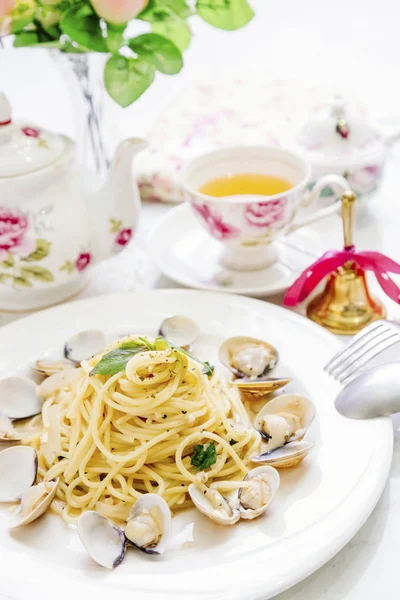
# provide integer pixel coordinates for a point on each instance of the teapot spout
(115, 208)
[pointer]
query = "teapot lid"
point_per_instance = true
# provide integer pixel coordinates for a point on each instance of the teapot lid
(24, 147)
(338, 134)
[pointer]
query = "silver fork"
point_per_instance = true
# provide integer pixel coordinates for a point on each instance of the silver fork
(366, 345)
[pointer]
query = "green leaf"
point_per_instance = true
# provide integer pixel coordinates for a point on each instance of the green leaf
(82, 25)
(42, 250)
(22, 281)
(9, 262)
(35, 38)
(159, 10)
(204, 456)
(176, 30)
(115, 37)
(225, 14)
(208, 369)
(37, 273)
(115, 361)
(159, 51)
(127, 78)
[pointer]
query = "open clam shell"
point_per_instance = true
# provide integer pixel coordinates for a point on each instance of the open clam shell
(58, 381)
(284, 419)
(148, 527)
(179, 331)
(19, 398)
(214, 505)
(84, 345)
(47, 367)
(263, 483)
(248, 357)
(261, 386)
(18, 471)
(34, 503)
(286, 456)
(102, 539)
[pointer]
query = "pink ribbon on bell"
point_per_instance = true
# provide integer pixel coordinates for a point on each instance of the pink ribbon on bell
(376, 262)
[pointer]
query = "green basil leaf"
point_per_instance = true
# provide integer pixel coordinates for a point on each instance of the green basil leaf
(176, 30)
(115, 361)
(159, 51)
(208, 369)
(82, 25)
(204, 456)
(225, 14)
(127, 78)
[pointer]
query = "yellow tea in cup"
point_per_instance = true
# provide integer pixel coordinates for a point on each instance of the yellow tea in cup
(245, 184)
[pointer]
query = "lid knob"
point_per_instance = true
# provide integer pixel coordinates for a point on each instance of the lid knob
(5, 110)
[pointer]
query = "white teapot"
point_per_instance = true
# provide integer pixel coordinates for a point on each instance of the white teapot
(50, 234)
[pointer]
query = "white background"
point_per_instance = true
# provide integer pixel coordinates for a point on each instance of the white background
(352, 43)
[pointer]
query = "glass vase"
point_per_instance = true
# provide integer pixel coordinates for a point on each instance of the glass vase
(83, 75)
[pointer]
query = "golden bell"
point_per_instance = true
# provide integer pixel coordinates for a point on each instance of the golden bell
(346, 306)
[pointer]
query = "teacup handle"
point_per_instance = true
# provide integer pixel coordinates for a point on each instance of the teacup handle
(339, 185)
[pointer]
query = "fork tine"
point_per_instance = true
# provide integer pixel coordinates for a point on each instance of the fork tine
(371, 341)
(358, 367)
(352, 345)
(380, 346)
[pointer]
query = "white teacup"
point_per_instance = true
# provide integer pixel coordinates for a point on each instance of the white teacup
(248, 224)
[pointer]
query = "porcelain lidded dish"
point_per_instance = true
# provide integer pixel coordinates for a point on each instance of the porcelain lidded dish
(342, 141)
(50, 232)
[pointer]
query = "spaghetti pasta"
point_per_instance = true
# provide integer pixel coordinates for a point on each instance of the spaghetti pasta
(112, 438)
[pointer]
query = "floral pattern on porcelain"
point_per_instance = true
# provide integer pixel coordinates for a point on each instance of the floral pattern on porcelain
(34, 133)
(124, 234)
(266, 214)
(363, 181)
(20, 251)
(214, 222)
(79, 264)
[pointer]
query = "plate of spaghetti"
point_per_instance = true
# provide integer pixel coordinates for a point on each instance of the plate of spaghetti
(147, 455)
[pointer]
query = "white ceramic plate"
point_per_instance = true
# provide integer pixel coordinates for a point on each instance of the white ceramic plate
(184, 251)
(321, 503)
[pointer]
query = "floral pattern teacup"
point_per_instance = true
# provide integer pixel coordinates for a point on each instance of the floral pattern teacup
(248, 224)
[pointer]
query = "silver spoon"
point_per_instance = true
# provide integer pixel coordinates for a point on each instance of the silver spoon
(374, 393)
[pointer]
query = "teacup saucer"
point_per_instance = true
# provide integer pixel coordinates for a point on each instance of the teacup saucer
(186, 253)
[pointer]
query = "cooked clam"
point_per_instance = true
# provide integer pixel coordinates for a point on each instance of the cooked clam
(284, 419)
(102, 539)
(18, 471)
(48, 367)
(148, 527)
(84, 345)
(34, 503)
(18, 398)
(214, 505)
(179, 331)
(57, 381)
(288, 455)
(248, 357)
(261, 386)
(261, 485)
(250, 360)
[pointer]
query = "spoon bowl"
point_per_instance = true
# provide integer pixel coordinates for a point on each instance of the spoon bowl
(374, 393)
